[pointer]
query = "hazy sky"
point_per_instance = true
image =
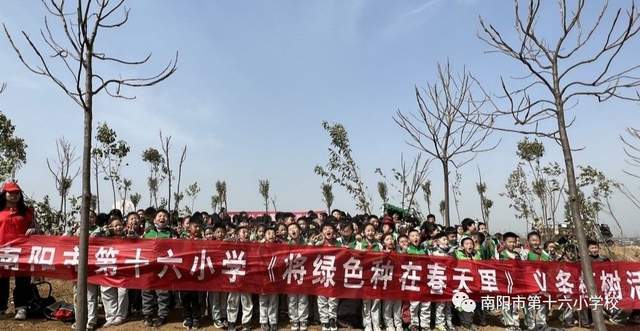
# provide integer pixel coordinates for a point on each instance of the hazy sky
(255, 80)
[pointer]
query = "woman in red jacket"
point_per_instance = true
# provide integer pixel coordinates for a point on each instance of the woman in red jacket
(15, 220)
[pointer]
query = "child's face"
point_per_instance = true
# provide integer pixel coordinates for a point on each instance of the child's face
(133, 220)
(294, 232)
(209, 234)
(414, 238)
(260, 233)
(270, 236)
(468, 246)
(386, 228)
(243, 234)
(594, 250)
(452, 237)
(161, 220)
(219, 234)
(534, 242)
(194, 230)
(327, 232)
(302, 224)
(482, 228)
(403, 242)
(551, 249)
(370, 232)
(443, 241)
(346, 231)
(510, 243)
(388, 242)
(116, 226)
(282, 230)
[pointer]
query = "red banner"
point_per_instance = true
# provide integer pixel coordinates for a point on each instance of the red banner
(337, 272)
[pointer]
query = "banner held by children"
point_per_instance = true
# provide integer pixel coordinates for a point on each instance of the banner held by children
(328, 271)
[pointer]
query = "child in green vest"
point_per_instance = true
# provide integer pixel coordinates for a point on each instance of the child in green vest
(420, 311)
(155, 303)
(370, 308)
(510, 315)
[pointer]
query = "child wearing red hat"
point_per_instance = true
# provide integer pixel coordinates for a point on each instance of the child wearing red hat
(16, 219)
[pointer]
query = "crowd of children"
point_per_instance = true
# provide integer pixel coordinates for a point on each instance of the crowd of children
(391, 233)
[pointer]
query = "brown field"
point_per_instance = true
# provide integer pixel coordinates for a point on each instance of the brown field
(64, 291)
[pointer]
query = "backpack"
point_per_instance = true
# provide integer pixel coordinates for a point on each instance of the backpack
(36, 304)
(60, 311)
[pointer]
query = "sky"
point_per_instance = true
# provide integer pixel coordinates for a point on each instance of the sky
(255, 80)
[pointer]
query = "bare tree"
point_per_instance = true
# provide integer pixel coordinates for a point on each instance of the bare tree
(263, 188)
(575, 61)
(632, 150)
(75, 48)
(64, 175)
(448, 124)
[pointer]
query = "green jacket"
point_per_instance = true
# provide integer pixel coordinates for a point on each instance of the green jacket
(506, 255)
(413, 250)
(154, 233)
(364, 245)
(533, 256)
(461, 255)
(348, 242)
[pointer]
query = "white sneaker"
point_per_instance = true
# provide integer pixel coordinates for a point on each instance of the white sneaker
(21, 314)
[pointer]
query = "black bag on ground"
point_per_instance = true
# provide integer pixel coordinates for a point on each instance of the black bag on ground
(37, 304)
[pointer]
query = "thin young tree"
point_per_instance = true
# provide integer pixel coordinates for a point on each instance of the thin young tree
(135, 199)
(342, 169)
(447, 125)
(165, 146)
(95, 164)
(73, 51)
(64, 175)
(221, 190)
(574, 57)
(383, 192)
(179, 195)
(110, 154)
(155, 160)
(426, 189)
(124, 188)
(192, 192)
(485, 203)
(263, 188)
(327, 196)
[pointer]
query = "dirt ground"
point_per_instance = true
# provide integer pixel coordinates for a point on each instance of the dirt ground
(64, 291)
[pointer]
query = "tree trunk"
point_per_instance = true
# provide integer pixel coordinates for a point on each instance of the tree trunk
(445, 173)
(585, 260)
(97, 187)
(81, 298)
